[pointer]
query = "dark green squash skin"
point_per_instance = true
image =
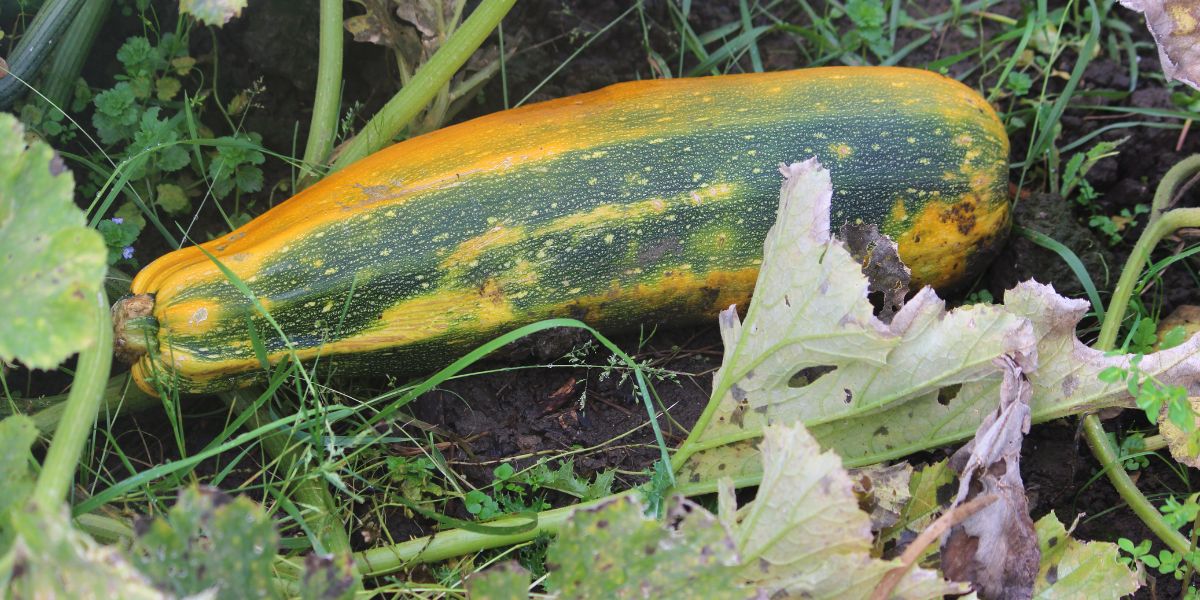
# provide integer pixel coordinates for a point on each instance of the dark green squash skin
(719, 186)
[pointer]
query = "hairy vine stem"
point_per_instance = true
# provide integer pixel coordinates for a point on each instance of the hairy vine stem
(1162, 223)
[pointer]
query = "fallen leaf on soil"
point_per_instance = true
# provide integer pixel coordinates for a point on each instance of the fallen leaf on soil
(883, 492)
(1175, 26)
(802, 536)
(505, 581)
(1074, 569)
(1186, 317)
(996, 548)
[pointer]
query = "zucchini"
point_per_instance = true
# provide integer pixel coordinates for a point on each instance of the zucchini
(641, 202)
(34, 47)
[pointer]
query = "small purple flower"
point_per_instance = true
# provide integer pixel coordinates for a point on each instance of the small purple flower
(127, 252)
(118, 221)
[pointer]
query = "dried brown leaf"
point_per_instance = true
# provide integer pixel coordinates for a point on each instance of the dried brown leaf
(1175, 25)
(996, 549)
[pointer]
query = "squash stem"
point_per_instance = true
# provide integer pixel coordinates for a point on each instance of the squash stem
(310, 493)
(426, 83)
(323, 128)
(119, 394)
(83, 402)
(1161, 225)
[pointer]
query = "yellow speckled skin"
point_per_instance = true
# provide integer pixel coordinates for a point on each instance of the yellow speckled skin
(639, 202)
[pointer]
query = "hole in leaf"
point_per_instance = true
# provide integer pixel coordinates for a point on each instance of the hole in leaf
(948, 393)
(807, 375)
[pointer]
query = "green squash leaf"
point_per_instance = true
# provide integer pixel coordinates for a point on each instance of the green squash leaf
(209, 541)
(505, 581)
(53, 264)
(615, 551)
(17, 434)
(51, 559)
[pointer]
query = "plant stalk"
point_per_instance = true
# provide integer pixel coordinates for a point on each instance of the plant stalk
(309, 492)
(327, 104)
(83, 402)
(426, 83)
(1161, 225)
(119, 394)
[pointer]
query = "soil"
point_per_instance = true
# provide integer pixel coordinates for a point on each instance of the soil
(528, 412)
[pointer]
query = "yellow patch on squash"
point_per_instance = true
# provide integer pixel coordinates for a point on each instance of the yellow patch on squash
(936, 242)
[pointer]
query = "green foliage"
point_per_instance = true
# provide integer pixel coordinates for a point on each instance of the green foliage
(1082, 162)
(236, 165)
(149, 127)
(868, 18)
(17, 435)
(53, 264)
(1131, 451)
(209, 541)
(614, 549)
(1153, 398)
(565, 480)
(118, 238)
(417, 477)
(1115, 226)
(1018, 83)
(505, 581)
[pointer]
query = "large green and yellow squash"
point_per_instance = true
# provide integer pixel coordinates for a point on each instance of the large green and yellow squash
(641, 202)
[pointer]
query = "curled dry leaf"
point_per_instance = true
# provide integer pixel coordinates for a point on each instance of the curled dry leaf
(1175, 25)
(996, 549)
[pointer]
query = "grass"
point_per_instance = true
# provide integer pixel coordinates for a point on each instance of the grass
(334, 435)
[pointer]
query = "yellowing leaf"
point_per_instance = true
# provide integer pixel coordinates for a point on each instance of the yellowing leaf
(811, 351)
(1073, 569)
(212, 12)
(810, 320)
(804, 535)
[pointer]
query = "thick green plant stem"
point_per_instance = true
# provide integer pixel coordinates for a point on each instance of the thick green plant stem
(1158, 229)
(1161, 225)
(322, 131)
(457, 542)
(67, 62)
(321, 514)
(426, 83)
(35, 46)
(1097, 440)
(119, 394)
(91, 375)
